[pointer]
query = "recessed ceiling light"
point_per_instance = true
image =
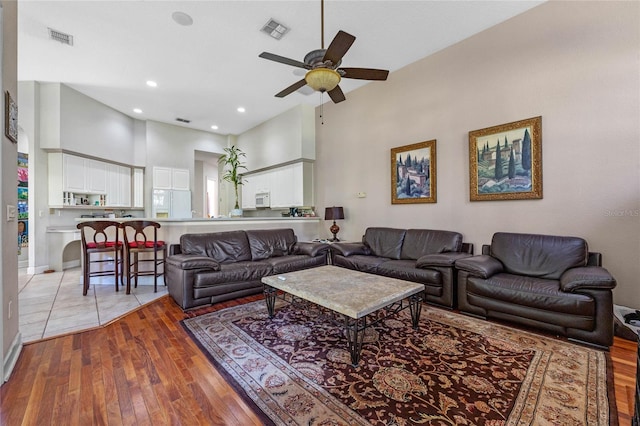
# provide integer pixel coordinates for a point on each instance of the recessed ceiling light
(241, 109)
(182, 18)
(137, 110)
(152, 83)
(214, 127)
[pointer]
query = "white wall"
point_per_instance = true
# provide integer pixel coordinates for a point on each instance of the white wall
(11, 341)
(287, 137)
(576, 64)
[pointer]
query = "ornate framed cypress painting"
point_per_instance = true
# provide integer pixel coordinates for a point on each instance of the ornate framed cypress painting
(505, 161)
(413, 173)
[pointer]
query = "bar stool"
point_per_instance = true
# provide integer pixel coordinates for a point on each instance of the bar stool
(141, 236)
(100, 237)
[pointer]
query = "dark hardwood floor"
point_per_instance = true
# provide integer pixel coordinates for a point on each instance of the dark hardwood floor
(144, 369)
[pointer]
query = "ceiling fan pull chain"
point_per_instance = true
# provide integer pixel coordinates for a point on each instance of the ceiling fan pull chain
(321, 109)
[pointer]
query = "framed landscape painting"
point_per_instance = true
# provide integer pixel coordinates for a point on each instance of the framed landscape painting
(413, 173)
(505, 162)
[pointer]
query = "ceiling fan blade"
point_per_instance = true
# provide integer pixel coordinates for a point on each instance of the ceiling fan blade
(338, 47)
(365, 73)
(283, 60)
(295, 86)
(336, 95)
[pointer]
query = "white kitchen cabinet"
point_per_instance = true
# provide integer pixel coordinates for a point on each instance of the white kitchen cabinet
(248, 189)
(119, 186)
(169, 178)
(288, 186)
(138, 187)
(95, 173)
(180, 179)
(73, 173)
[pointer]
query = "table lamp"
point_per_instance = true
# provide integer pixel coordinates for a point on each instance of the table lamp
(334, 213)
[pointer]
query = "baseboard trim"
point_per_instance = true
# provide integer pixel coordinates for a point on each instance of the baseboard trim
(71, 264)
(12, 356)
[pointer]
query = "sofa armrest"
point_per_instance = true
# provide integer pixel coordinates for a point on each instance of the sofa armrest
(188, 261)
(349, 249)
(174, 249)
(586, 277)
(310, 248)
(483, 266)
(440, 259)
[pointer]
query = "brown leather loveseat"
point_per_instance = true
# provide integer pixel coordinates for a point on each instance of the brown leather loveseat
(212, 267)
(424, 256)
(548, 282)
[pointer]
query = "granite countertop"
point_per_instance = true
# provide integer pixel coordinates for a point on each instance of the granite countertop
(201, 219)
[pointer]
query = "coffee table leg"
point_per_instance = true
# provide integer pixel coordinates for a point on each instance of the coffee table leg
(355, 336)
(415, 306)
(270, 298)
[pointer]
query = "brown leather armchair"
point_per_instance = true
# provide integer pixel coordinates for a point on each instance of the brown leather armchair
(548, 282)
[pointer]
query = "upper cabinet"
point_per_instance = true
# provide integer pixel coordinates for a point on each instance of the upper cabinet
(169, 178)
(138, 187)
(288, 186)
(74, 179)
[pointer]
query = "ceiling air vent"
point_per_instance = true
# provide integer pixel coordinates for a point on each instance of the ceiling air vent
(61, 37)
(274, 29)
(183, 120)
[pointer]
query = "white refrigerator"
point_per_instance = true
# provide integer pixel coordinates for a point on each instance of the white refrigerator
(171, 204)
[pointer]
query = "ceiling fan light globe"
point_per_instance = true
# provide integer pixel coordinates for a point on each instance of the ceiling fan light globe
(322, 79)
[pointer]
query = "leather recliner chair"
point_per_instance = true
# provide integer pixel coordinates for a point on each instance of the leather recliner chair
(547, 282)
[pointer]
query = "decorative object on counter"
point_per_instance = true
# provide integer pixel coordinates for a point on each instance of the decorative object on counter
(233, 159)
(334, 213)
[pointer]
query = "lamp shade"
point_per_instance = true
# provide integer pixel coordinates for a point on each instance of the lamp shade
(333, 213)
(322, 79)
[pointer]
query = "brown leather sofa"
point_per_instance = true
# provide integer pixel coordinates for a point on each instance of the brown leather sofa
(547, 282)
(212, 267)
(424, 256)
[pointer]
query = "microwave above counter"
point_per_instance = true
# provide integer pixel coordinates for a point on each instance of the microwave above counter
(262, 200)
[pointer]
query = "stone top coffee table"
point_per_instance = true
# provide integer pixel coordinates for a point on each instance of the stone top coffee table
(352, 294)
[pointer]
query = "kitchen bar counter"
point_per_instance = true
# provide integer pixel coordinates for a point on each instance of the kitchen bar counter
(305, 228)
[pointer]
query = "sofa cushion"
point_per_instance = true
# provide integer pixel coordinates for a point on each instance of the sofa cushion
(418, 242)
(384, 242)
(406, 270)
(542, 294)
(292, 263)
(231, 272)
(223, 247)
(266, 243)
(359, 262)
(542, 256)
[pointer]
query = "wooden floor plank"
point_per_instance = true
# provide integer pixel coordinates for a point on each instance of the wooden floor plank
(143, 369)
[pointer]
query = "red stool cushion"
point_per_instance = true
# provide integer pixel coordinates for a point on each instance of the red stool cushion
(106, 244)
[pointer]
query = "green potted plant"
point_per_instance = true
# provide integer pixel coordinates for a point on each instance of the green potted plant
(232, 160)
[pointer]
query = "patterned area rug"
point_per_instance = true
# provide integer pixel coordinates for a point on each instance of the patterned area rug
(453, 370)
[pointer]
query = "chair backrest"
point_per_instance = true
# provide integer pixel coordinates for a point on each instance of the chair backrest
(98, 232)
(140, 233)
(543, 256)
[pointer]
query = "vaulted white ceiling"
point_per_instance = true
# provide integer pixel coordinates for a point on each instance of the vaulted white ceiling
(207, 70)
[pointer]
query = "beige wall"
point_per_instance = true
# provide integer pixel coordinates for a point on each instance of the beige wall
(8, 229)
(573, 63)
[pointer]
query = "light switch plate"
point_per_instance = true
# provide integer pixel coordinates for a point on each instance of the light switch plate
(11, 213)
(362, 194)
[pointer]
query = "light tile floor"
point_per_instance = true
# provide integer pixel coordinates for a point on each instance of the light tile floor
(53, 304)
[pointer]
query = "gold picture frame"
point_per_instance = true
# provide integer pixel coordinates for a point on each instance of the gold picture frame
(413, 173)
(505, 161)
(10, 118)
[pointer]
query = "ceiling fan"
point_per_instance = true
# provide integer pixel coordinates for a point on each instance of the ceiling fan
(323, 73)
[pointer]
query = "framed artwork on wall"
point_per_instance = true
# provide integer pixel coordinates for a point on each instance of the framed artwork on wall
(10, 118)
(505, 161)
(413, 173)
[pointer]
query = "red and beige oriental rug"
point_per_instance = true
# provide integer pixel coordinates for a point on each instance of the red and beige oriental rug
(453, 370)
